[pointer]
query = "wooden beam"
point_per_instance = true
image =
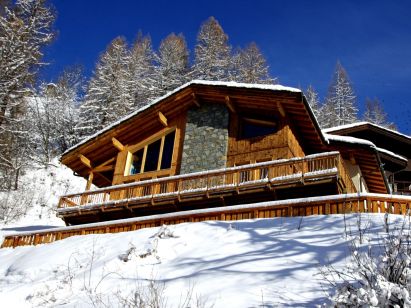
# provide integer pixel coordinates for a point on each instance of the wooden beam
(195, 100)
(90, 180)
(352, 158)
(281, 109)
(229, 104)
(117, 144)
(86, 162)
(103, 168)
(162, 118)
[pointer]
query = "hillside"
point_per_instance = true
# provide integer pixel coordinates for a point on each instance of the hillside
(250, 263)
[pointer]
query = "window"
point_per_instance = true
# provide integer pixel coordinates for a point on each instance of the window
(251, 128)
(154, 156)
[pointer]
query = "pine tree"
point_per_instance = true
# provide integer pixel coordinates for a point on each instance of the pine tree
(251, 66)
(374, 113)
(213, 59)
(314, 102)
(340, 103)
(108, 96)
(143, 85)
(173, 62)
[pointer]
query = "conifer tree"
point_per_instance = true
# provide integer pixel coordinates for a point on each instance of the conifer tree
(340, 103)
(26, 27)
(173, 63)
(143, 85)
(251, 66)
(108, 96)
(213, 59)
(374, 113)
(312, 98)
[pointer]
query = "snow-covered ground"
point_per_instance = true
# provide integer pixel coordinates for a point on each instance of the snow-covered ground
(250, 263)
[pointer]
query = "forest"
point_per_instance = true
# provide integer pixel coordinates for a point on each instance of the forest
(40, 119)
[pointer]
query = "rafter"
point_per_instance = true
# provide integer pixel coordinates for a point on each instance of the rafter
(86, 162)
(117, 144)
(229, 104)
(162, 118)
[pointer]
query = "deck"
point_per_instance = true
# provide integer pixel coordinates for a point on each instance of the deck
(164, 194)
(323, 205)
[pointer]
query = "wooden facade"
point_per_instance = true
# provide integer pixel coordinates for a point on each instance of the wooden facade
(269, 126)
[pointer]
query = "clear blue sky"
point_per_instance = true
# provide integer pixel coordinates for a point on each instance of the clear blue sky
(301, 40)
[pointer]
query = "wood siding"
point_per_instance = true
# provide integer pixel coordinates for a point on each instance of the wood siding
(339, 204)
(279, 145)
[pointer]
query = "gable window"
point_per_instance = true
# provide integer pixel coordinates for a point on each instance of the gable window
(251, 127)
(154, 156)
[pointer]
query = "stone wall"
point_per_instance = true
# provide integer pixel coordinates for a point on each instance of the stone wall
(206, 138)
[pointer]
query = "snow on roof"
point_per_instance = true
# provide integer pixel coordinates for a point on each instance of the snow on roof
(392, 154)
(354, 140)
(341, 127)
(349, 139)
(229, 84)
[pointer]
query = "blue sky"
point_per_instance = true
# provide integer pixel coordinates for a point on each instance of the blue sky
(301, 40)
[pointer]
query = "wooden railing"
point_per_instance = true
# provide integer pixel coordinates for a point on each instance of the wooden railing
(240, 178)
(335, 204)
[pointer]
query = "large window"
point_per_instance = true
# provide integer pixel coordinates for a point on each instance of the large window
(251, 127)
(154, 156)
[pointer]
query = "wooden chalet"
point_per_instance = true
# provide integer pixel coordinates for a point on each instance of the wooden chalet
(393, 148)
(210, 144)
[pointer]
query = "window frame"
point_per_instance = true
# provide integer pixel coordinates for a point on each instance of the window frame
(144, 145)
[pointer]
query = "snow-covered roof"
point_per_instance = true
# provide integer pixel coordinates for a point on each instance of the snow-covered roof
(359, 141)
(353, 125)
(229, 84)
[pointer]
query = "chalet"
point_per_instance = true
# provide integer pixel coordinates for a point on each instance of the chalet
(227, 151)
(210, 144)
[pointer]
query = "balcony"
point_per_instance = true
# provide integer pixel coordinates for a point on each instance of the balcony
(168, 192)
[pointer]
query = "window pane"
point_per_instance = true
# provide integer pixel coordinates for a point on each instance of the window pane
(168, 151)
(153, 151)
(251, 130)
(136, 162)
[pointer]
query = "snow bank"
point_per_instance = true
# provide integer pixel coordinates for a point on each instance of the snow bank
(249, 263)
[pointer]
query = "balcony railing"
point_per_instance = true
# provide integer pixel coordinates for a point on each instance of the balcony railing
(305, 170)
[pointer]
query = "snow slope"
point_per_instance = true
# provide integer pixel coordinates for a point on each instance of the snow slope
(250, 263)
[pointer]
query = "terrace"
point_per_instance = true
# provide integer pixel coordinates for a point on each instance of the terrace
(212, 188)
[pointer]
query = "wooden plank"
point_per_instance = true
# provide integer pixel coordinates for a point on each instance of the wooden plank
(117, 144)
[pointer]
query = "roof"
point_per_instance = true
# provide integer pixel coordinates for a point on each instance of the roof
(367, 156)
(381, 136)
(230, 84)
(98, 148)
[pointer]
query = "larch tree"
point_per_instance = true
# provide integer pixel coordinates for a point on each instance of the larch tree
(173, 65)
(53, 113)
(143, 84)
(312, 98)
(340, 105)
(250, 66)
(108, 96)
(213, 59)
(374, 113)
(26, 27)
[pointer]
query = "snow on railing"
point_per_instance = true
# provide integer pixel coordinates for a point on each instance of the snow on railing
(274, 172)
